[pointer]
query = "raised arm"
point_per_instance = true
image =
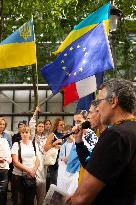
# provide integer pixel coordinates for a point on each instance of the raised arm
(32, 122)
(48, 145)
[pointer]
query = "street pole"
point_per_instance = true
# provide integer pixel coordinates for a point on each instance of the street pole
(113, 49)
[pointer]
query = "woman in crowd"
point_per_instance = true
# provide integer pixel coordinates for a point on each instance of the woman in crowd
(63, 182)
(5, 160)
(17, 137)
(3, 134)
(27, 165)
(52, 141)
(47, 127)
(3, 125)
(89, 137)
(41, 138)
(97, 126)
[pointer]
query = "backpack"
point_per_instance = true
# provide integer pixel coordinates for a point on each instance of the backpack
(19, 150)
(28, 183)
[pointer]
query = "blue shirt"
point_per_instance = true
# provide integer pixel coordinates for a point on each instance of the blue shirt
(8, 138)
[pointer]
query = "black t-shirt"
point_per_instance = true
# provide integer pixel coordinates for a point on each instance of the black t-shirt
(113, 161)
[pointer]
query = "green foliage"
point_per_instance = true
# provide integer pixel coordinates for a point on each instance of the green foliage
(53, 20)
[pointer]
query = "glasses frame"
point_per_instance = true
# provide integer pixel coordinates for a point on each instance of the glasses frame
(98, 101)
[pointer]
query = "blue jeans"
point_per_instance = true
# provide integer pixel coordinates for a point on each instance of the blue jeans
(3, 186)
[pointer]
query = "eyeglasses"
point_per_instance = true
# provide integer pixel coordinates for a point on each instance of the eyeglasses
(97, 102)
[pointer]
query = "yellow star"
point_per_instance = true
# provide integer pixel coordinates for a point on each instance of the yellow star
(67, 73)
(71, 48)
(64, 68)
(84, 61)
(78, 46)
(86, 53)
(84, 49)
(81, 69)
(62, 61)
(65, 54)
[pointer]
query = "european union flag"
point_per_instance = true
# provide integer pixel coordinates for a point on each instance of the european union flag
(88, 55)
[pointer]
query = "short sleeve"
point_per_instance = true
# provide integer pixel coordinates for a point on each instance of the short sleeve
(15, 148)
(109, 157)
(7, 149)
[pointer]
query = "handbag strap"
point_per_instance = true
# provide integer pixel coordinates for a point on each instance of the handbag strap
(33, 142)
(55, 137)
(19, 150)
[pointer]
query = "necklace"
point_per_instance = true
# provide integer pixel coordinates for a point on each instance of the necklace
(125, 120)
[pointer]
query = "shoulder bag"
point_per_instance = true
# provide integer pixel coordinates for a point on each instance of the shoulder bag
(27, 182)
(51, 155)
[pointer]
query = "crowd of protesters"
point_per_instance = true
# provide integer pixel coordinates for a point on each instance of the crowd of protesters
(64, 173)
(91, 167)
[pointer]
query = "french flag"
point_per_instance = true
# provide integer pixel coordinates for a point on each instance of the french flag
(79, 89)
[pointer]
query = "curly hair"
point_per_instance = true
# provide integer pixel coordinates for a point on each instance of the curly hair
(56, 123)
(124, 90)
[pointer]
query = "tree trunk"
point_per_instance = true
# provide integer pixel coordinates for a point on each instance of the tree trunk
(35, 87)
(1, 19)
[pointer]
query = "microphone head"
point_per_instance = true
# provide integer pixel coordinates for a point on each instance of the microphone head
(86, 125)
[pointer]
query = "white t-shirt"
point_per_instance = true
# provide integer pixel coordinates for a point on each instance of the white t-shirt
(27, 155)
(5, 153)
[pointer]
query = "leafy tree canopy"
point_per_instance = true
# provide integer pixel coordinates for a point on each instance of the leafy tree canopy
(53, 20)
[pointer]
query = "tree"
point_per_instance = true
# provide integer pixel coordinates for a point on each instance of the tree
(53, 20)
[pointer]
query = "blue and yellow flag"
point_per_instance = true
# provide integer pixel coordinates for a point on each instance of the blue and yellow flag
(102, 14)
(88, 55)
(19, 49)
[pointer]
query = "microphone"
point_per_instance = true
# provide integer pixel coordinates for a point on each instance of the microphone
(84, 125)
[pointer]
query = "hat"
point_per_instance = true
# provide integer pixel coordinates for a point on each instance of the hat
(23, 122)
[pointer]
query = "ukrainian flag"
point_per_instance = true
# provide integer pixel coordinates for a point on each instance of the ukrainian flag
(102, 14)
(19, 49)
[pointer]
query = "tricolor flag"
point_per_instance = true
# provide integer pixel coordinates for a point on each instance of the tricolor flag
(80, 89)
(85, 102)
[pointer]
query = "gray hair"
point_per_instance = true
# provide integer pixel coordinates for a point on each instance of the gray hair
(124, 90)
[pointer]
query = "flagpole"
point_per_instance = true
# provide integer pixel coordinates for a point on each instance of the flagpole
(36, 70)
(45, 100)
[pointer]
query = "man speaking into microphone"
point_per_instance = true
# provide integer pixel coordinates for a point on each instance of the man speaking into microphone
(110, 176)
